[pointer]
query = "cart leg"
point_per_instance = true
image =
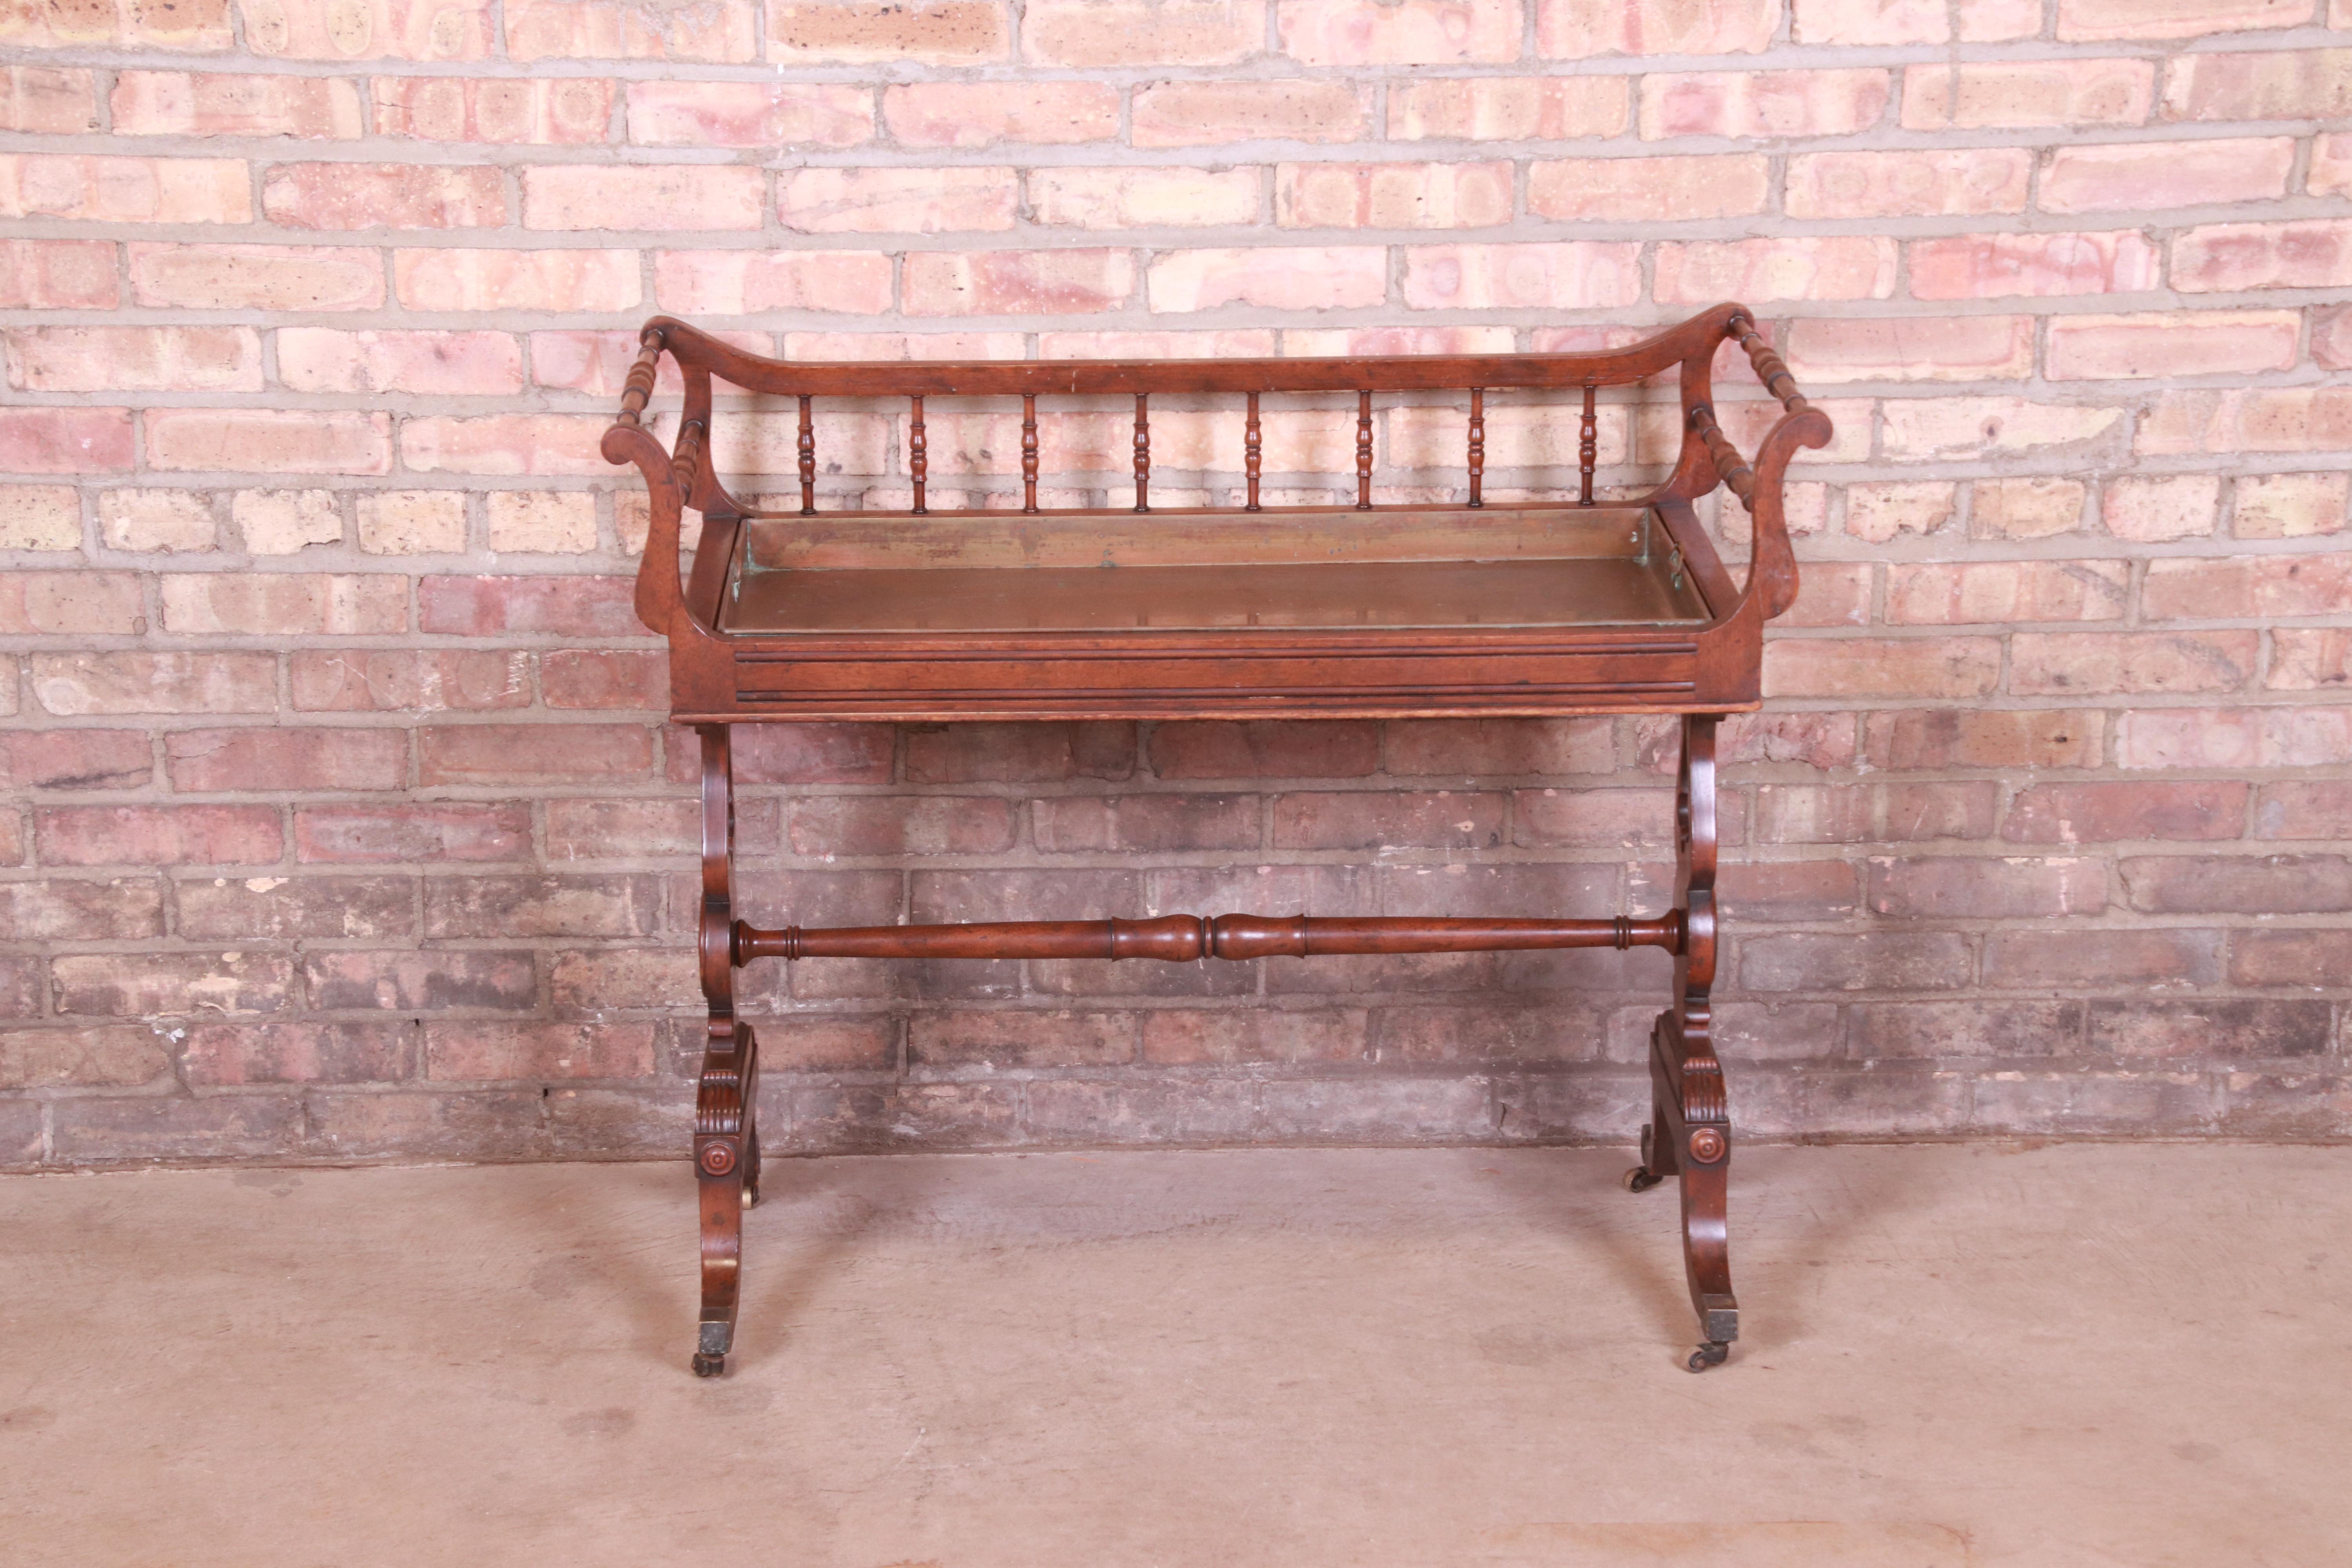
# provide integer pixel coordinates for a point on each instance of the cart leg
(726, 1131)
(1689, 1133)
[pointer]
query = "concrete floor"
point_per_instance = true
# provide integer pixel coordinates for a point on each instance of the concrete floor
(1978, 1355)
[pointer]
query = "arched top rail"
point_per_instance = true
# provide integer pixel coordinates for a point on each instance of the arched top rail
(696, 350)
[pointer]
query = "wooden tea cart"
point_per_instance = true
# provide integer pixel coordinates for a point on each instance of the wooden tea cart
(1251, 611)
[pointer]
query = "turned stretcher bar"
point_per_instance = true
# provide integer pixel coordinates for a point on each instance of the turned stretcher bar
(1181, 939)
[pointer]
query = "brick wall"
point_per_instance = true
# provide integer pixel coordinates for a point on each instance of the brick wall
(340, 817)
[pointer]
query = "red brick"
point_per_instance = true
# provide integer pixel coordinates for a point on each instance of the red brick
(2005, 94)
(2281, 419)
(2316, 809)
(372, 29)
(1940, 429)
(157, 521)
(2093, 813)
(76, 684)
(1404, 33)
(845, 1118)
(848, 753)
(671, 199)
(158, 835)
(540, 607)
(1856, 960)
(498, 1050)
(2172, 956)
(1089, 33)
(984, 115)
(1568, 275)
(2288, 506)
(1577, 29)
(718, 31)
(2090, 20)
(582, 678)
(116, 1129)
(134, 359)
(2227, 256)
(1872, 813)
(40, 517)
(897, 201)
(2312, 660)
(1814, 740)
(606, 978)
(2005, 592)
(74, 759)
(218, 1054)
(530, 753)
(320, 359)
(172, 984)
(1972, 182)
(409, 982)
(1597, 818)
(1507, 109)
(1360, 820)
(1028, 1037)
(832, 826)
(623, 829)
(106, 1056)
(506, 906)
(1879, 1030)
(1017, 282)
(734, 282)
(2137, 176)
(399, 834)
(383, 195)
(407, 680)
(540, 443)
(1911, 667)
(1483, 747)
(868, 32)
(268, 441)
(571, 110)
(125, 909)
(282, 604)
(2298, 958)
(66, 603)
(2172, 342)
(2236, 738)
(2210, 1029)
(2239, 884)
(1918, 348)
(1392, 195)
(1265, 749)
(1206, 113)
(125, 190)
(2180, 506)
(206, 761)
(2300, 84)
(1199, 1037)
(2025, 508)
(1151, 824)
(1649, 190)
(1753, 104)
(2057, 664)
(1839, 266)
(1788, 890)
(66, 440)
(46, 100)
(1981, 887)
(278, 908)
(1992, 266)
(57, 274)
(2268, 586)
(749, 114)
(1137, 198)
(566, 279)
(254, 277)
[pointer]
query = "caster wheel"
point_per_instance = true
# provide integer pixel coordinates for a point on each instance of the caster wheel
(708, 1365)
(750, 1197)
(1640, 1180)
(1713, 1352)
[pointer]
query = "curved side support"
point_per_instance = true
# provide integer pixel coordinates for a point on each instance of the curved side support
(1689, 1134)
(661, 597)
(726, 1101)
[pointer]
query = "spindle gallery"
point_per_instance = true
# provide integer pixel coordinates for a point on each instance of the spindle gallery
(1355, 609)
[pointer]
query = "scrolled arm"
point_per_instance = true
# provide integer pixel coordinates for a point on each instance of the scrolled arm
(660, 597)
(1772, 569)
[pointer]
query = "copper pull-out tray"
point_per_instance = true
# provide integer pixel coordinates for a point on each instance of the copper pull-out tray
(1207, 570)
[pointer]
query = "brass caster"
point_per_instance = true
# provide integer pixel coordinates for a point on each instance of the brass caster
(1640, 1179)
(750, 1197)
(708, 1365)
(1710, 1352)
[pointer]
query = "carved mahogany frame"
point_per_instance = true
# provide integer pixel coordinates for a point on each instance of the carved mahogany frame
(721, 678)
